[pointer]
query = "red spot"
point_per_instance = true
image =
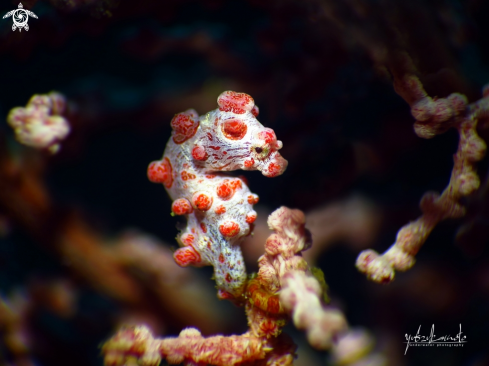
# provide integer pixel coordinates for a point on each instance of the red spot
(186, 256)
(215, 147)
(184, 126)
(253, 199)
(210, 176)
(273, 170)
(161, 172)
(251, 217)
(236, 184)
(209, 136)
(255, 111)
(203, 227)
(225, 190)
(228, 277)
(220, 209)
(199, 153)
(202, 201)
(221, 258)
(229, 229)
(181, 206)
(239, 103)
(268, 135)
(234, 129)
(187, 239)
(249, 163)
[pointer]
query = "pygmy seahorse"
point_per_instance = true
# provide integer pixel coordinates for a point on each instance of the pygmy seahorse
(218, 207)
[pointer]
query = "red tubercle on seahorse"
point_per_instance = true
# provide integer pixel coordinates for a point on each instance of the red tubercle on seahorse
(225, 190)
(202, 201)
(238, 103)
(184, 125)
(160, 171)
(251, 217)
(181, 206)
(249, 163)
(234, 129)
(199, 153)
(273, 170)
(186, 256)
(229, 229)
(253, 199)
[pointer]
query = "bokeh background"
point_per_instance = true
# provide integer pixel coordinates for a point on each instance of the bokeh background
(85, 238)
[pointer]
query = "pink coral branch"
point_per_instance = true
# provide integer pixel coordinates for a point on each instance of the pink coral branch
(301, 296)
(433, 116)
(300, 292)
(189, 346)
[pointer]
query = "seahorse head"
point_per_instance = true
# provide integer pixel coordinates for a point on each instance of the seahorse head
(231, 138)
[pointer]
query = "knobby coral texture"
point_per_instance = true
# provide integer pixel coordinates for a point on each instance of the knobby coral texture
(41, 123)
(433, 116)
(218, 207)
(282, 287)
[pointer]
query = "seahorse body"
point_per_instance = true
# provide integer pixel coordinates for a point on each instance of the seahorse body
(219, 208)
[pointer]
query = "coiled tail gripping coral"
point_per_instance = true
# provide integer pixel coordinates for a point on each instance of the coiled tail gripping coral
(218, 207)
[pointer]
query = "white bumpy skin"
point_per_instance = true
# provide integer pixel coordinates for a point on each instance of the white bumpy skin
(219, 208)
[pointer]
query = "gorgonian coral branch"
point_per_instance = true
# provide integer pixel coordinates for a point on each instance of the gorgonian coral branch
(219, 208)
(284, 271)
(283, 287)
(189, 346)
(40, 124)
(433, 116)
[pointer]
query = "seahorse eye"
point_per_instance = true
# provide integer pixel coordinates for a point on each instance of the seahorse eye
(259, 150)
